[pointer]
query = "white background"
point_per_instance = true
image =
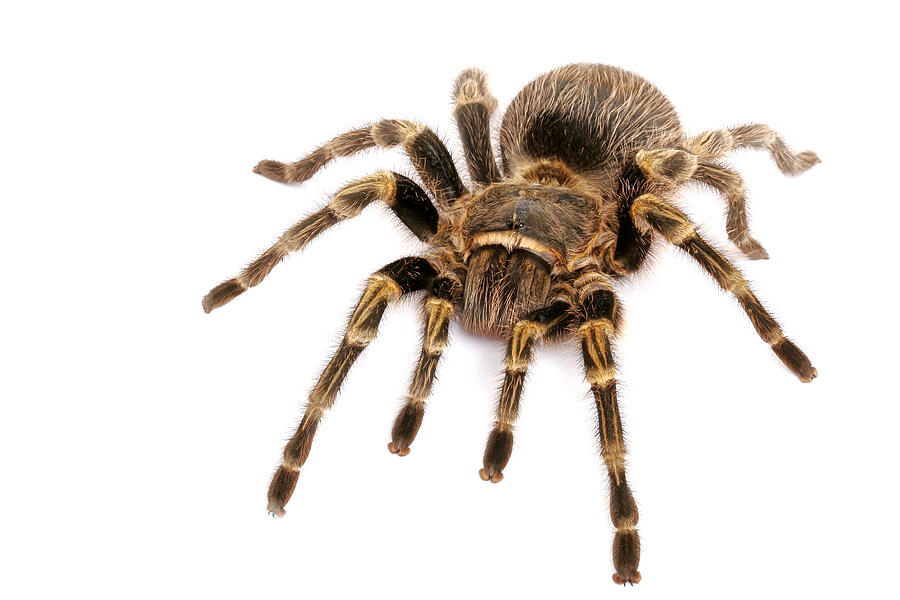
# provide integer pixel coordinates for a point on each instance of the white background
(138, 434)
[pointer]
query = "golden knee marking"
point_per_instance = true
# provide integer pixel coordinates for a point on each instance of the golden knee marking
(676, 165)
(710, 144)
(471, 86)
(380, 290)
(677, 229)
(599, 369)
(391, 132)
(352, 199)
(600, 376)
(437, 313)
(519, 355)
(591, 282)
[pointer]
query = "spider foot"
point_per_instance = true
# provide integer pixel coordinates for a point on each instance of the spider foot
(794, 164)
(795, 359)
(751, 248)
(626, 556)
(400, 449)
(272, 169)
(283, 483)
(491, 475)
(222, 294)
(496, 455)
(406, 426)
(623, 579)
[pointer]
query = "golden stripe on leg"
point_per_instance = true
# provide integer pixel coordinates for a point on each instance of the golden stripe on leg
(388, 284)
(679, 166)
(650, 212)
(438, 309)
(518, 355)
(349, 201)
(730, 185)
(596, 334)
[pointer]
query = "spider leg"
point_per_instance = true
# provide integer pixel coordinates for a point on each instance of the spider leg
(474, 106)
(650, 212)
(716, 144)
(679, 166)
(600, 309)
(427, 152)
(518, 354)
(408, 201)
(399, 277)
(438, 305)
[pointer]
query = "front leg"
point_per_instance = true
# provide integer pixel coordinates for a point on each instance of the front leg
(389, 283)
(518, 354)
(600, 309)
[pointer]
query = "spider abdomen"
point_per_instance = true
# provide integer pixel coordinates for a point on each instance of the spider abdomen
(590, 117)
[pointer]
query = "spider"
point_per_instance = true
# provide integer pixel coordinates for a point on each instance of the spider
(591, 157)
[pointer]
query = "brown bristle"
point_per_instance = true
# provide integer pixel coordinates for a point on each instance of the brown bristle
(280, 490)
(795, 359)
(223, 293)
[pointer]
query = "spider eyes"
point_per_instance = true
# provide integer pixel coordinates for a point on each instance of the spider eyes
(515, 223)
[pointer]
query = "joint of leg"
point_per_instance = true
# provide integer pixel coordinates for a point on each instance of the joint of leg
(520, 343)
(595, 326)
(614, 458)
(360, 336)
(754, 136)
(391, 132)
(600, 376)
(649, 212)
(676, 165)
(434, 347)
(591, 282)
(710, 144)
(471, 86)
(351, 200)
(737, 285)
(291, 463)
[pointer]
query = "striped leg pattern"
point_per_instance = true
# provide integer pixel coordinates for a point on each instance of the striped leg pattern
(474, 107)
(427, 152)
(678, 166)
(408, 201)
(398, 278)
(438, 309)
(600, 309)
(518, 355)
(652, 213)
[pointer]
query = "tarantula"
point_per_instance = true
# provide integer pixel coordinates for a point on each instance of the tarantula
(591, 157)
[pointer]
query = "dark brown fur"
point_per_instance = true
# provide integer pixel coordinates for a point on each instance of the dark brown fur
(591, 158)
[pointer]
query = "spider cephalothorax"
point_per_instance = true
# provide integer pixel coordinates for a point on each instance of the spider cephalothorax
(592, 157)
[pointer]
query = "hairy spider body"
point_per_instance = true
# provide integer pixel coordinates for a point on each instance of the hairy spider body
(591, 157)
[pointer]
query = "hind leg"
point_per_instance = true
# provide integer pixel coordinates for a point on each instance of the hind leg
(474, 106)
(718, 143)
